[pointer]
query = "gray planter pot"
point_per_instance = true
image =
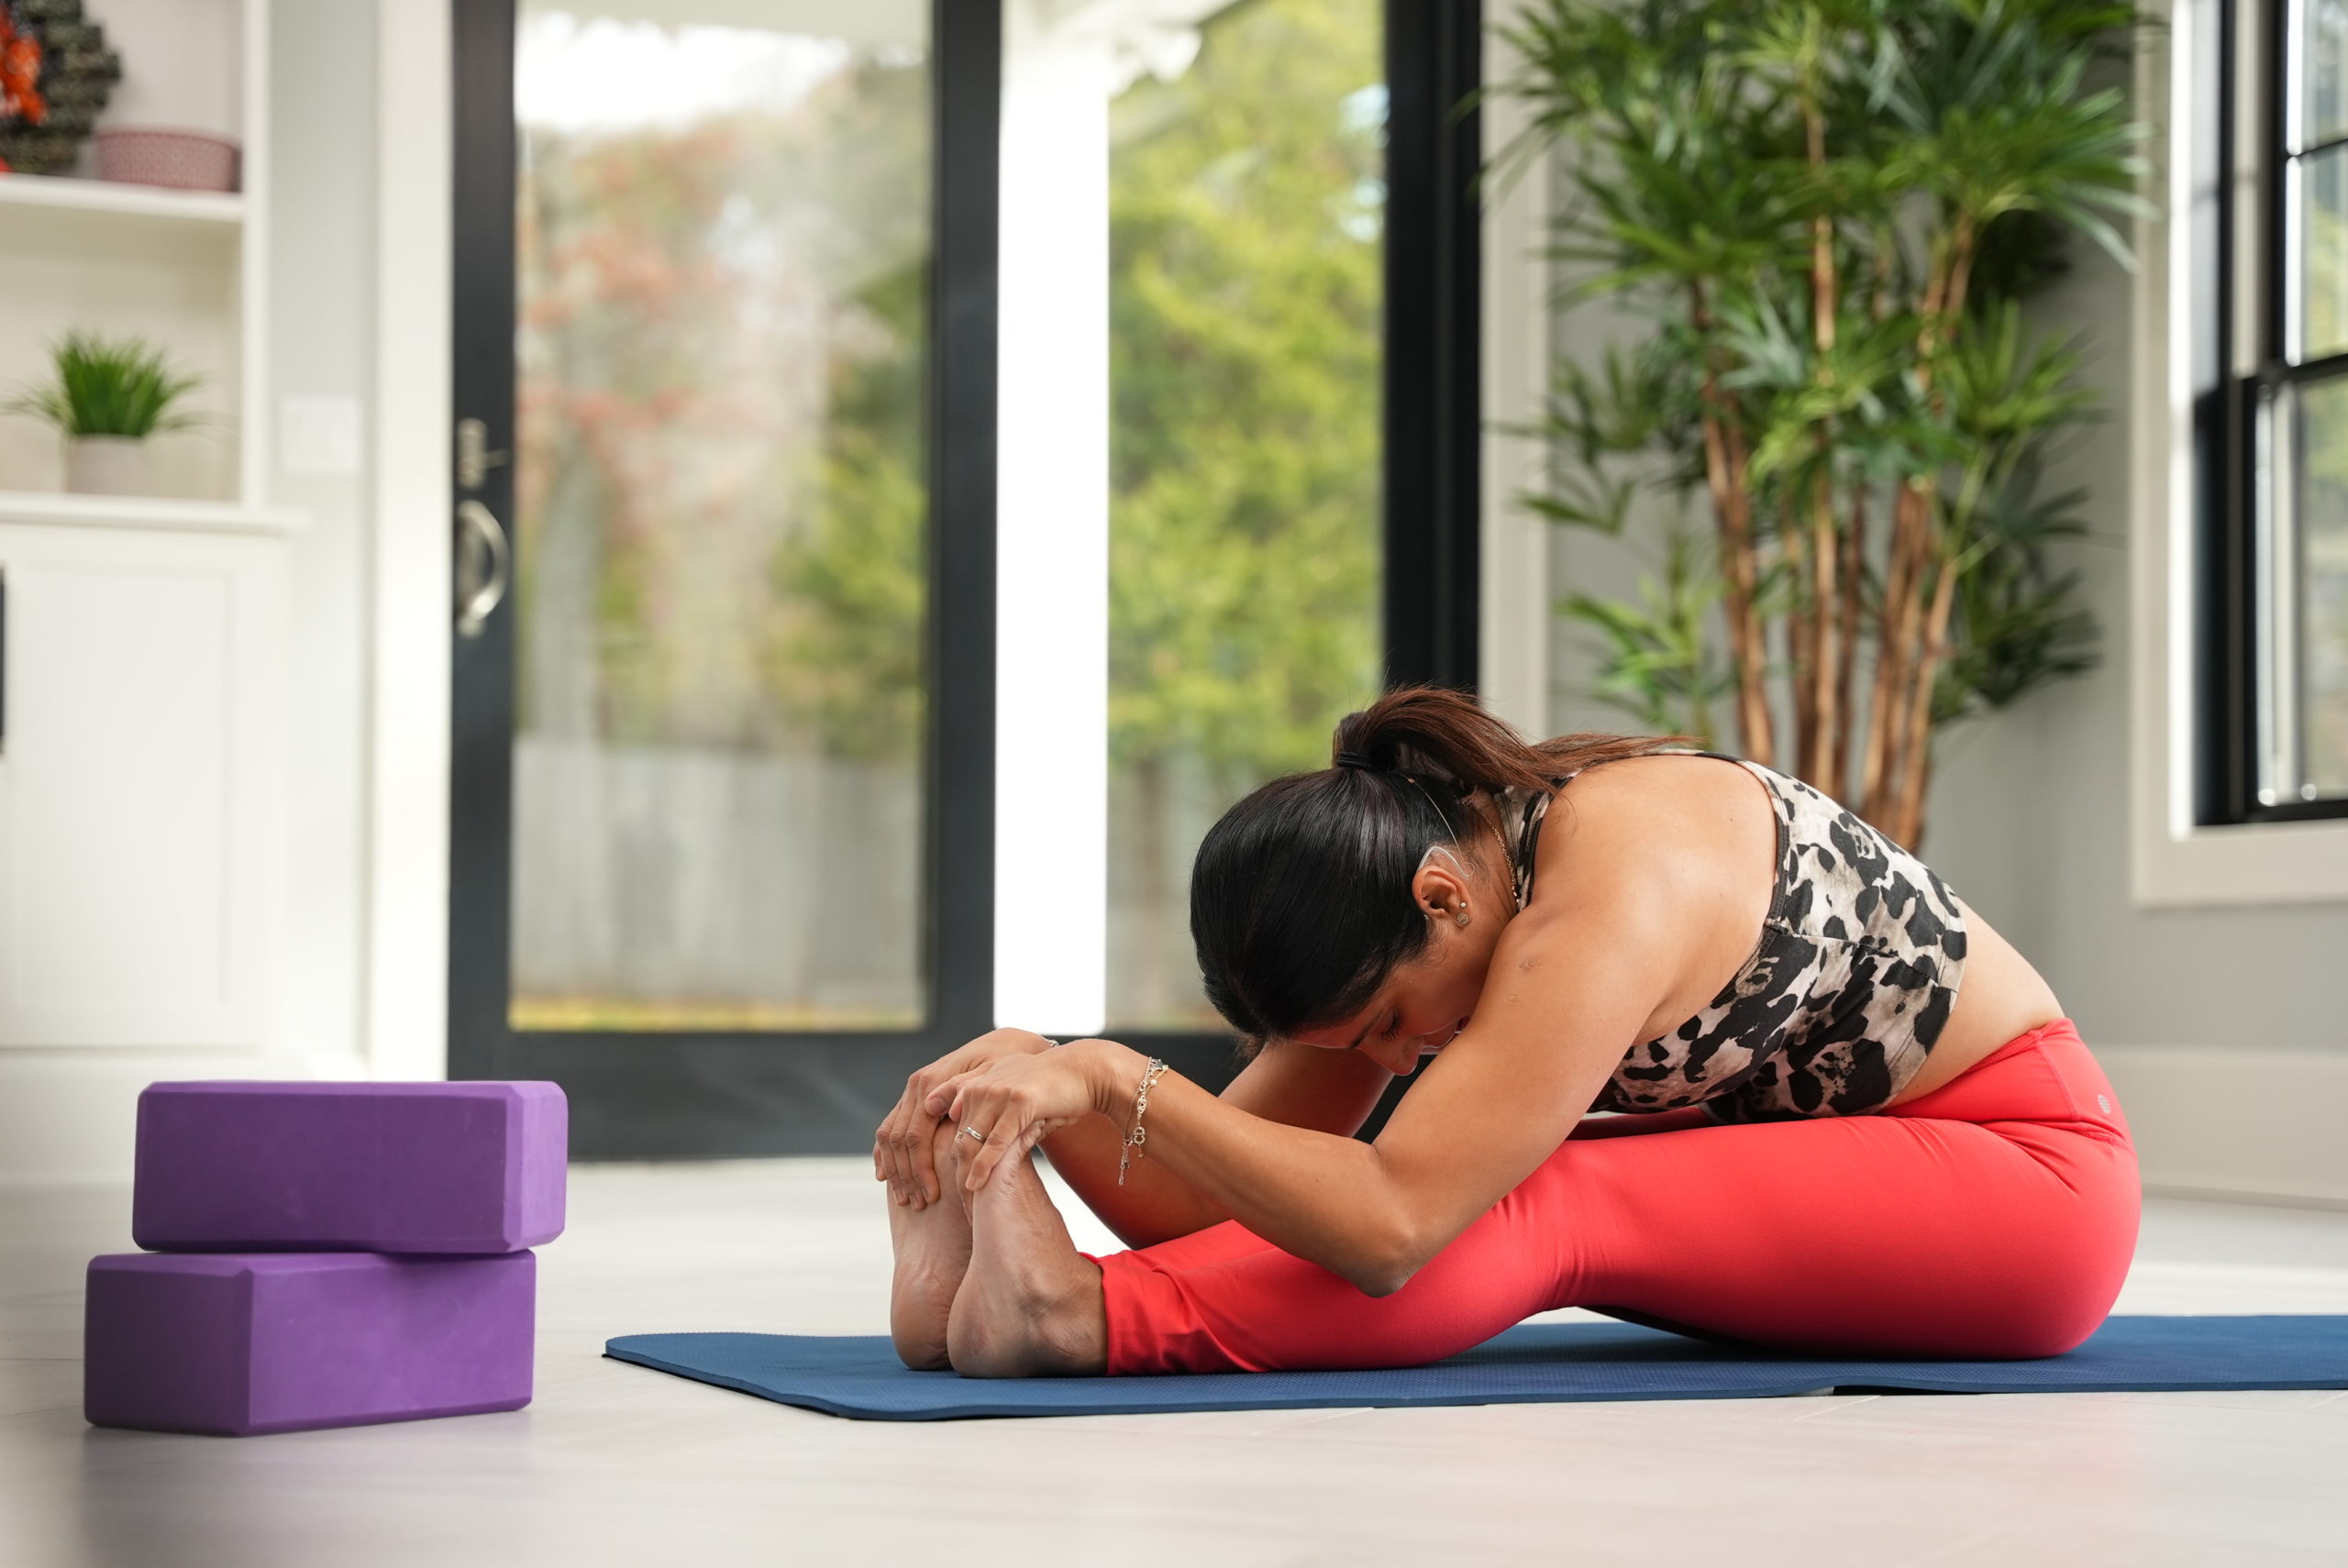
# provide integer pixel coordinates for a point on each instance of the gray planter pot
(106, 465)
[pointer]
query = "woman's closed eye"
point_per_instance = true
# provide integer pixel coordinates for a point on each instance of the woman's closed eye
(1372, 1034)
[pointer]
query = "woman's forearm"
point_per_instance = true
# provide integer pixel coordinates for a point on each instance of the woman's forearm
(1154, 1205)
(1319, 1195)
(1328, 1091)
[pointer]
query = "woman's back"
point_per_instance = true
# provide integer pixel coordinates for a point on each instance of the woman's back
(1824, 962)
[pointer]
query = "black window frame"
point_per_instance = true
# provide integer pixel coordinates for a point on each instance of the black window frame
(670, 1095)
(2234, 407)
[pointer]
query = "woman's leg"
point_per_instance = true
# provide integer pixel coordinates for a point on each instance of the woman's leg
(1993, 1218)
(1030, 1304)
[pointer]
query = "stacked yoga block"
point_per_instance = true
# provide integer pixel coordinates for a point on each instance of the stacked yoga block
(327, 1256)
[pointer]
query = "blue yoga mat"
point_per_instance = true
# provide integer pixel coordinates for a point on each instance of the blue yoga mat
(1537, 1363)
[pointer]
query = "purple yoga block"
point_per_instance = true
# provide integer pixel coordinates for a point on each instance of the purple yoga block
(282, 1342)
(250, 1167)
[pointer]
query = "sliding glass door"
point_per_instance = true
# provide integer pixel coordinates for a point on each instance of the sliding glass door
(746, 716)
(723, 775)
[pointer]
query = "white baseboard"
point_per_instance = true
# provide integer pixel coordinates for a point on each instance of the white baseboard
(67, 1116)
(2236, 1122)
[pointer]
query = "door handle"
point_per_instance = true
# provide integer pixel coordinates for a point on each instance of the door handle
(484, 566)
(474, 460)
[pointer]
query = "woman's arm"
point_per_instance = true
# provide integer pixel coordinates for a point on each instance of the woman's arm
(1293, 1085)
(1569, 990)
(1651, 891)
(1565, 999)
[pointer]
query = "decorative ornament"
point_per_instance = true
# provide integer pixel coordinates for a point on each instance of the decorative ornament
(56, 74)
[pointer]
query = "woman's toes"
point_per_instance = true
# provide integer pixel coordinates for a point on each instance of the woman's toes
(933, 1252)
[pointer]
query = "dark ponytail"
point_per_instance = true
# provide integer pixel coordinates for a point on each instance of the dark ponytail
(1301, 899)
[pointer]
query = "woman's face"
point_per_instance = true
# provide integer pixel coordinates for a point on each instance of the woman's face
(1424, 1003)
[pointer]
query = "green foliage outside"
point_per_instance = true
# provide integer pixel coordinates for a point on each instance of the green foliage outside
(1245, 305)
(847, 657)
(722, 499)
(2321, 504)
(1244, 208)
(1246, 201)
(1245, 296)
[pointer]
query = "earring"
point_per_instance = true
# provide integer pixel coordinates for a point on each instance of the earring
(1462, 916)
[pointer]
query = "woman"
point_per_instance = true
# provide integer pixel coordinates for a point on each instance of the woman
(1857, 1121)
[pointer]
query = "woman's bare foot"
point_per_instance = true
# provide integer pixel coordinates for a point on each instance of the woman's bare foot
(933, 1250)
(1030, 1304)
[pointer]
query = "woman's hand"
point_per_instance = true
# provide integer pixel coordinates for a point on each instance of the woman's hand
(1014, 1103)
(901, 1149)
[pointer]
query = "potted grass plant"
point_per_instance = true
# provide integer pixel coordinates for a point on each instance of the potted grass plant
(107, 396)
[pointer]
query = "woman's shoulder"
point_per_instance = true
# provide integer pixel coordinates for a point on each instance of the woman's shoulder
(1668, 788)
(1671, 820)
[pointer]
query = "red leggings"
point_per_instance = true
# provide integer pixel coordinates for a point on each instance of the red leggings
(1994, 1216)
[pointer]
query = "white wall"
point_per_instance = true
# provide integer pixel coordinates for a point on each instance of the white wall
(323, 93)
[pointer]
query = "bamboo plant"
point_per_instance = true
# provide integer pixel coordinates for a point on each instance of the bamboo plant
(1831, 212)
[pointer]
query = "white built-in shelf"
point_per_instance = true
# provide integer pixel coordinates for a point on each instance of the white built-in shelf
(56, 508)
(150, 203)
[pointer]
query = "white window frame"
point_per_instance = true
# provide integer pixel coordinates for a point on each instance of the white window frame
(2174, 861)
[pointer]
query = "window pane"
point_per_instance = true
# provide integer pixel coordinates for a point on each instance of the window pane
(2323, 70)
(722, 243)
(1247, 194)
(2320, 654)
(2321, 210)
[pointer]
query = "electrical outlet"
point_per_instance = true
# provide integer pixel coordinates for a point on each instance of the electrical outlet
(318, 435)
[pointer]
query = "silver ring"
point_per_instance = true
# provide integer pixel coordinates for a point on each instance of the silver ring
(974, 1133)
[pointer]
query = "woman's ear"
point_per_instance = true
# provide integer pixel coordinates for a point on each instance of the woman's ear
(1441, 887)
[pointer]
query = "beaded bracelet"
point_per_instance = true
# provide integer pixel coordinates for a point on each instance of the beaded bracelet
(1137, 1135)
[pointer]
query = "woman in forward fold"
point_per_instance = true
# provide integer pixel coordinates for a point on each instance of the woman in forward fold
(1857, 1121)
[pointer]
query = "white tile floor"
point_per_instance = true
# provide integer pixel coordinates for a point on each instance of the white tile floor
(617, 1464)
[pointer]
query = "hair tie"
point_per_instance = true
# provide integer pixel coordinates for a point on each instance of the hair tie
(1355, 760)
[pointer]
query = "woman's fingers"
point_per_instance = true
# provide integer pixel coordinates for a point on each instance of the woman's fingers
(1011, 1136)
(902, 1152)
(990, 1155)
(1003, 1117)
(903, 1155)
(900, 1131)
(1014, 1103)
(921, 1155)
(942, 1096)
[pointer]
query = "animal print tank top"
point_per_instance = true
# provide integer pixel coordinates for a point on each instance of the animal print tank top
(1845, 996)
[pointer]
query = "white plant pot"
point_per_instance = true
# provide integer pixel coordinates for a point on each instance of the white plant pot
(106, 465)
